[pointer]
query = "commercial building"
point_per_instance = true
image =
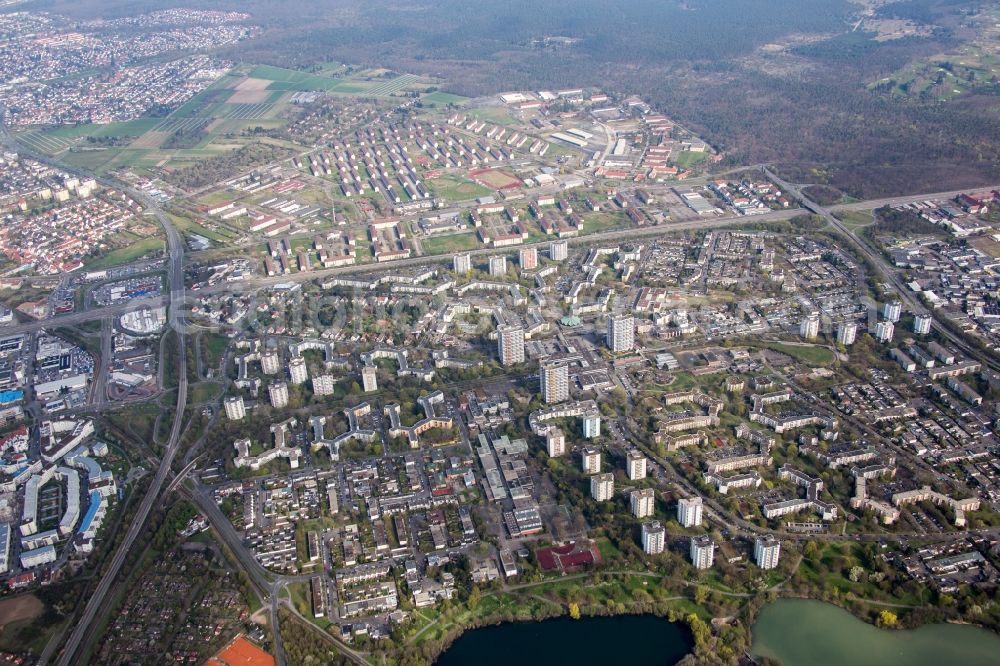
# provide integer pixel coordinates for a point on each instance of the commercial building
(510, 344)
(653, 538)
(922, 324)
(602, 486)
(635, 465)
(235, 409)
(554, 376)
(369, 378)
(558, 250)
(766, 550)
(278, 393)
(462, 263)
(689, 511)
(847, 333)
(621, 333)
(555, 442)
(809, 328)
(702, 552)
(297, 370)
(527, 258)
(590, 460)
(643, 502)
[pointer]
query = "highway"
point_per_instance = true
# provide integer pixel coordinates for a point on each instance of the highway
(87, 624)
(882, 266)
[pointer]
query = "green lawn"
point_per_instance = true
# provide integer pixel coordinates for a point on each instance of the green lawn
(688, 158)
(204, 392)
(461, 242)
(442, 98)
(125, 255)
(457, 189)
(812, 355)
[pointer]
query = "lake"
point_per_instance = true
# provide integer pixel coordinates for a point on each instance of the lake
(798, 632)
(645, 639)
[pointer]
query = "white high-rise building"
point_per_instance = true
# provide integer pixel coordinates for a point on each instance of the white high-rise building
(766, 550)
(689, 511)
(462, 263)
(527, 258)
(235, 409)
(621, 333)
(922, 324)
(558, 250)
(510, 344)
(602, 486)
(635, 465)
(592, 424)
(847, 333)
(323, 384)
(653, 538)
(555, 442)
(590, 460)
(270, 362)
(554, 376)
(369, 378)
(643, 502)
(498, 266)
(809, 328)
(297, 370)
(884, 331)
(892, 311)
(702, 552)
(278, 392)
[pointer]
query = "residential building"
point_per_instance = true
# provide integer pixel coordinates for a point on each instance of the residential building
(621, 333)
(369, 378)
(297, 370)
(643, 502)
(884, 331)
(462, 263)
(766, 550)
(635, 465)
(527, 258)
(809, 328)
(847, 333)
(510, 344)
(702, 552)
(278, 392)
(323, 384)
(592, 424)
(498, 266)
(554, 375)
(602, 486)
(689, 511)
(922, 324)
(558, 250)
(235, 409)
(555, 442)
(653, 538)
(591, 461)
(270, 362)
(892, 311)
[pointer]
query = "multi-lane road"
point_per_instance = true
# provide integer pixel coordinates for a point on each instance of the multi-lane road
(86, 625)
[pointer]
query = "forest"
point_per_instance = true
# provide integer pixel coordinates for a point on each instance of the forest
(777, 81)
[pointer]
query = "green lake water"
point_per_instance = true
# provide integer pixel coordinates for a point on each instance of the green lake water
(799, 632)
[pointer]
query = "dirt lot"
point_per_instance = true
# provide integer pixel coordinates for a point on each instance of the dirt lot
(253, 84)
(17, 609)
(249, 96)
